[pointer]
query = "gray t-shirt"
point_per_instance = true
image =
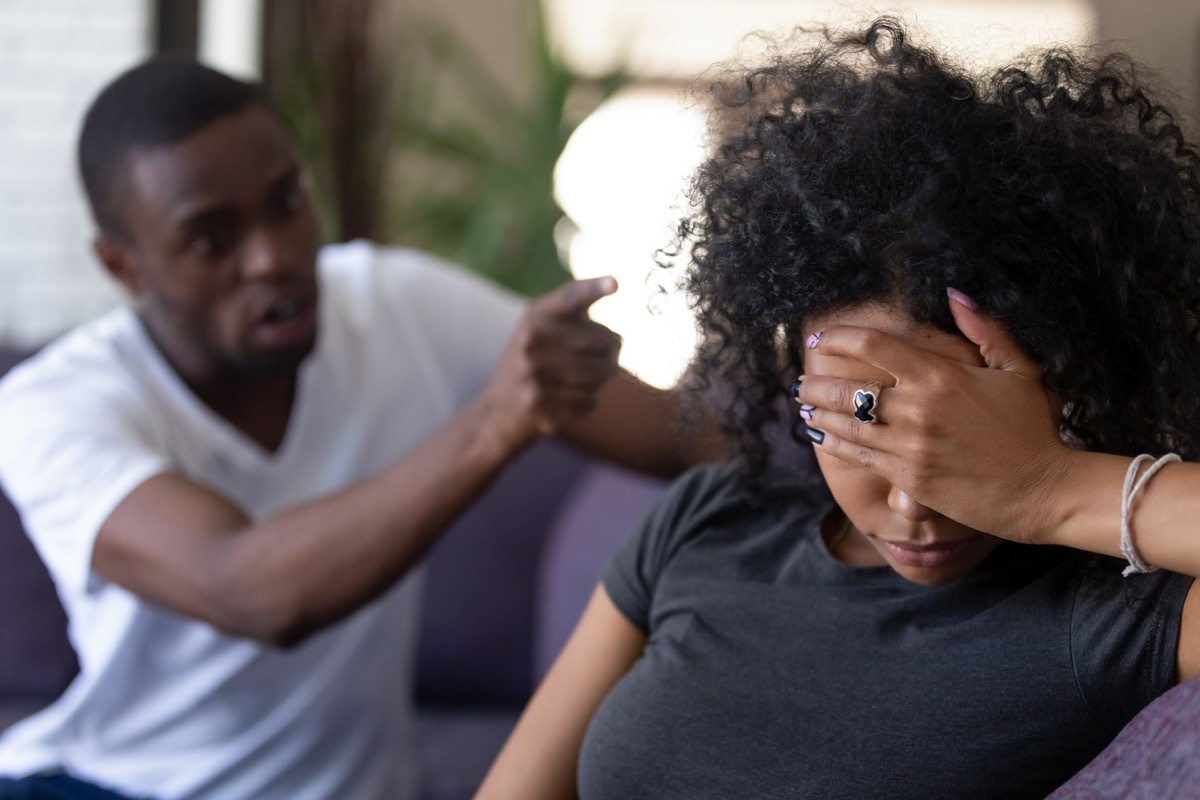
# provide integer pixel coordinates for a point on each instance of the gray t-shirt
(773, 670)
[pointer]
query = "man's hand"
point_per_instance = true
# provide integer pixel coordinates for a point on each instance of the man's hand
(554, 365)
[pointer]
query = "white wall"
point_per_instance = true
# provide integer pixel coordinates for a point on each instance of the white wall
(54, 56)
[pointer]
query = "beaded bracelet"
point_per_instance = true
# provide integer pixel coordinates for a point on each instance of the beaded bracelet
(1128, 494)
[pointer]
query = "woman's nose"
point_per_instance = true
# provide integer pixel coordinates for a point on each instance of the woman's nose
(906, 506)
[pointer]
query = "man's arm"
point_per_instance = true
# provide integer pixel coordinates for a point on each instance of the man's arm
(182, 546)
(647, 429)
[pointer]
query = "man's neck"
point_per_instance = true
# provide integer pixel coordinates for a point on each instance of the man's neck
(258, 405)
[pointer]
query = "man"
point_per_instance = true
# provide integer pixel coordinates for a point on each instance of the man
(229, 481)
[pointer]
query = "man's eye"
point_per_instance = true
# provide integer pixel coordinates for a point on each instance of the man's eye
(290, 201)
(209, 244)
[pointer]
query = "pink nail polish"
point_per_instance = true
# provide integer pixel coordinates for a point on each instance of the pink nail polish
(806, 412)
(812, 340)
(959, 297)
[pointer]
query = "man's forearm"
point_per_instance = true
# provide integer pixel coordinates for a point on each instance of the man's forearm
(291, 575)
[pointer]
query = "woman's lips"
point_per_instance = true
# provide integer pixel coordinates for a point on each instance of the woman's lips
(927, 555)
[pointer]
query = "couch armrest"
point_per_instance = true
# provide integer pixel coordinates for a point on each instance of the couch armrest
(1157, 755)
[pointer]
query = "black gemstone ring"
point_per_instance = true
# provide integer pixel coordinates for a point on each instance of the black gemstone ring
(865, 403)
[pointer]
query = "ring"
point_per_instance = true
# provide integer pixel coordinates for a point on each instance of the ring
(865, 403)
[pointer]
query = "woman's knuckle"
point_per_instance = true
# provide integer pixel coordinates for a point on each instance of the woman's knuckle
(864, 456)
(839, 395)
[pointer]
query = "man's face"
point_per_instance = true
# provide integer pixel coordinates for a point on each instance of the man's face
(221, 248)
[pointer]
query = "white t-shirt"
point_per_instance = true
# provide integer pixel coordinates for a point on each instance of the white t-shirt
(166, 706)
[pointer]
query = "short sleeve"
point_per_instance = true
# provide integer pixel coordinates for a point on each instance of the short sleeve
(70, 450)
(634, 569)
(1125, 637)
(464, 320)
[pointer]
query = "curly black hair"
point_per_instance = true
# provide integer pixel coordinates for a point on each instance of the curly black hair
(1055, 192)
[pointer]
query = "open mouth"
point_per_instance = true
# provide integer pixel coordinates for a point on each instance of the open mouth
(289, 321)
(286, 310)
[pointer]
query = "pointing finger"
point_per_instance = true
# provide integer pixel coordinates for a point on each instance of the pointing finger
(574, 298)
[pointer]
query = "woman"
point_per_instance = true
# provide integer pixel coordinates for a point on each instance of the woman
(766, 634)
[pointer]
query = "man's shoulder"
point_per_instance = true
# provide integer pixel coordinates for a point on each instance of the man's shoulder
(367, 268)
(364, 260)
(382, 295)
(90, 356)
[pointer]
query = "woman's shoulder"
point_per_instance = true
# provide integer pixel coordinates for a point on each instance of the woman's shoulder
(711, 490)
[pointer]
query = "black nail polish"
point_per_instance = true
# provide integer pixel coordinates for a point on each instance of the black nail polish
(794, 389)
(817, 436)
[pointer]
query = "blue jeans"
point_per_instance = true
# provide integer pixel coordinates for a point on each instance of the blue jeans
(54, 786)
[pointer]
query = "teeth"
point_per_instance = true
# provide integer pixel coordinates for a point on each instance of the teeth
(286, 309)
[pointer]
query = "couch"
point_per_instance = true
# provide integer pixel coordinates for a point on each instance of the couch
(503, 590)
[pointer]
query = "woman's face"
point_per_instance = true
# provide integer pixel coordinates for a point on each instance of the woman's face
(917, 542)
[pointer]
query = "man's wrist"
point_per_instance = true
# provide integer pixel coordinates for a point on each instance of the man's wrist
(497, 433)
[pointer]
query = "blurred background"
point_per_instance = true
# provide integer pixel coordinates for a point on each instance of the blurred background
(525, 139)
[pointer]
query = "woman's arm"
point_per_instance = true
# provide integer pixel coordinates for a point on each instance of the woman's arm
(538, 761)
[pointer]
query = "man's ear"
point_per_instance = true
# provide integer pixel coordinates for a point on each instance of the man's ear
(120, 261)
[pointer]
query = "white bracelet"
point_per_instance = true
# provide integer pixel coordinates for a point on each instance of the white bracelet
(1128, 494)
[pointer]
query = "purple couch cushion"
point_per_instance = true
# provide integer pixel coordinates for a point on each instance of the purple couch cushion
(457, 747)
(605, 505)
(477, 627)
(36, 659)
(1157, 755)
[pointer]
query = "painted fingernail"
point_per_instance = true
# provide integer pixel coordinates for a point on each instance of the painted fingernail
(959, 297)
(812, 340)
(806, 412)
(815, 435)
(794, 389)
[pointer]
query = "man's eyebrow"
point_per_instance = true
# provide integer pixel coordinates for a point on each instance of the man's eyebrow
(199, 215)
(289, 177)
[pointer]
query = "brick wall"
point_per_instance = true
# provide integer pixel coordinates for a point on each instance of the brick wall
(54, 56)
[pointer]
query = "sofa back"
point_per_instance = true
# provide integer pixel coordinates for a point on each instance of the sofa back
(508, 581)
(477, 634)
(36, 659)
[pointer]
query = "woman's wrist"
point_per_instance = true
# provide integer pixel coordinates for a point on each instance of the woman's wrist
(1082, 503)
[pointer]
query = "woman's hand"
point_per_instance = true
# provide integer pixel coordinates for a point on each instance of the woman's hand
(980, 444)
